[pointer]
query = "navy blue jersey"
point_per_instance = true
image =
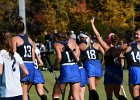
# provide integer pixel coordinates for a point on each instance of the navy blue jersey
(89, 53)
(111, 61)
(67, 53)
(110, 58)
(67, 57)
(25, 50)
(133, 57)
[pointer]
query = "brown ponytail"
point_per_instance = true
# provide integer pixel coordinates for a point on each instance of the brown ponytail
(6, 43)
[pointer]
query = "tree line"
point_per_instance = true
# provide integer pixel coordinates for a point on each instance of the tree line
(111, 15)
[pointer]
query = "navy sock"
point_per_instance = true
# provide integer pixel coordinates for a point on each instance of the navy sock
(93, 95)
(110, 99)
(137, 98)
(121, 97)
(56, 99)
(43, 97)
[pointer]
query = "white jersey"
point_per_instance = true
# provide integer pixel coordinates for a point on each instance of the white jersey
(37, 53)
(10, 85)
(42, 48)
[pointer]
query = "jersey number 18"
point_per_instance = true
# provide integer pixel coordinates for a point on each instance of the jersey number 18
(91, 54)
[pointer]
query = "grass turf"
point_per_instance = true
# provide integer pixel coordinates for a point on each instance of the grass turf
(49, 78)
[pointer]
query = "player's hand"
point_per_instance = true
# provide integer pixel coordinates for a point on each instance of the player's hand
(92, 20)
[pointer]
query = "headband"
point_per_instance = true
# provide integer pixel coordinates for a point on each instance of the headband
(83, 35)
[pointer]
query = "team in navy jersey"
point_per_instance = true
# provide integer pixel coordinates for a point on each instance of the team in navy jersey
(91, 63)
(113, 65)
(38, 78)
(67, 54)
(80, 65)
(83, 76)
(132, 54)
(23, 45)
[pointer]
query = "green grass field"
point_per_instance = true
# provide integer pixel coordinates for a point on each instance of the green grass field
(49, 78)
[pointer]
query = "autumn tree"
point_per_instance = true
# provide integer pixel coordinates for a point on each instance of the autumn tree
(72, 14)
(118, 15)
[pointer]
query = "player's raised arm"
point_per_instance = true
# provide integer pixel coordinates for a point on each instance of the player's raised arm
(97, 34)
(1, 65)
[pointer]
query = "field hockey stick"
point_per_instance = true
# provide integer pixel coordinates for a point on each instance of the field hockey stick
(57, 82)
(123, 91)
(45, 89)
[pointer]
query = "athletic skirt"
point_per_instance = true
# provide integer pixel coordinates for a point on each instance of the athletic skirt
(69, 72)
(93, 68)
(113, 75)
(38, 77)
(84, 78)
(31, 69)
(134, 75)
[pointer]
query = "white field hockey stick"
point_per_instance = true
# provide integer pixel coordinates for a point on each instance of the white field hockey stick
(122, 88)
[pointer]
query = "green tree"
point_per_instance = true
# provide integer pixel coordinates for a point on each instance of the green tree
(7, 12)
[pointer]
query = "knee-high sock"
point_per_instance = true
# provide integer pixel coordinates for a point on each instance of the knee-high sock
(121, 97)
(43, 97)
(137, 98)
(93, 95)
(110, 99)
(56, 99)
